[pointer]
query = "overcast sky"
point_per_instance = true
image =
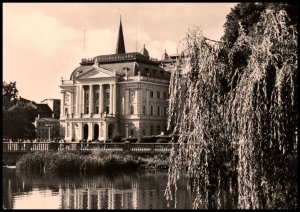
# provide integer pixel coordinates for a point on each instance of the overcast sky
(44, 42)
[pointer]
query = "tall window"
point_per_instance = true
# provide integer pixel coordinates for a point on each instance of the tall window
(151, 110)
(151, 94)
(131, 132)
(158, 111)
(131, 109)
(151, 129)
(158, 94)
(144, 132)
(165, 95)
(66, 111)
(144, 110)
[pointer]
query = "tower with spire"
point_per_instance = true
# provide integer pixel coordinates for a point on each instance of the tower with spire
(120, 42)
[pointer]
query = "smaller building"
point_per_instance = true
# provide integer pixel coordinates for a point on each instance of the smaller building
(54, 105)
(47, 128)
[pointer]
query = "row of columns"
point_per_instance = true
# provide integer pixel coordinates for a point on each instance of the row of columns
(79, 99)
(70, 132)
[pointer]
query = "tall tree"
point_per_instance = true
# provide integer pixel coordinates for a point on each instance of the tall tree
(245, 16)
(256, 120)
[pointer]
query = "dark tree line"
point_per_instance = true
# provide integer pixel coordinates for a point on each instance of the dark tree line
(18, 116)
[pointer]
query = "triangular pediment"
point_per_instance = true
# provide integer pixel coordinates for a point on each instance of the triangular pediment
(96, 73)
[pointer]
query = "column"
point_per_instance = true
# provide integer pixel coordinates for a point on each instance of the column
(147, 102)
(91, 131)
(71, 102)
(127, 102)
(100, 98)
(77, 100)
(91, 99)
(82, 100)
(80, 131)
(110, 99)
(104, 130)
(71, 131)
(115, 98)
(66, 130)
(62, 105)
(137, 97)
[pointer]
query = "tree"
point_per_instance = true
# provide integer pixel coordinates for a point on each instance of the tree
(9, 94)
(250, 131)
(246, 16)
(18, 121)
(18, 116)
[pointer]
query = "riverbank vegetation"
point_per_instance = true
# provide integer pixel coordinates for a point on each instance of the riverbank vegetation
(97, 160)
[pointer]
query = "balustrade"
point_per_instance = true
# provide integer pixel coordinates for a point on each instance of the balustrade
(75, 146)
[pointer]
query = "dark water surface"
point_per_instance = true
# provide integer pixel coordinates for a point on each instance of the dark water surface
(138, 190)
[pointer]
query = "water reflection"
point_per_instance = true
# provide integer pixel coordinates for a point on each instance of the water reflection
(139, 190)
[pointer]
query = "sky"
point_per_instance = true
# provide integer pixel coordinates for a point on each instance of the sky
(44, 42)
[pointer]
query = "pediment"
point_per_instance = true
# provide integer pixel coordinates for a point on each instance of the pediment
(96, 73)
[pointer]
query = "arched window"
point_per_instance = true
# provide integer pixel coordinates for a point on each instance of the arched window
(151, 110)
(131, 109)
(158, 111)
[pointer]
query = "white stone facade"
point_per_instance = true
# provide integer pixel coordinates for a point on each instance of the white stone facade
(102, 100)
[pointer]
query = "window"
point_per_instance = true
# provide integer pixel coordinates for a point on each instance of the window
(107, 95)
(131, 132)
(151, 110)
(158, 111)
(165, 95)
(151, 94)
(131, 109)
(107, 109)
(97, 109)
(66, 111)
(144, 110)
(144, 132)
(158, 129)
(158, 94)
(151, 130)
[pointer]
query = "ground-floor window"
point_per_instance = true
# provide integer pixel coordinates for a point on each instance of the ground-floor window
(131, 132)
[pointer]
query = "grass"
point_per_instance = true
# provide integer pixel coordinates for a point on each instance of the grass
(64, 161)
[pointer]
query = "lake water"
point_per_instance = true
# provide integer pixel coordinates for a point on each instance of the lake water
(138, 190)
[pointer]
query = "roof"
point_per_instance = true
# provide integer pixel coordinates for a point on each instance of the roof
(48, 120)
(130, 63)
(44, 110)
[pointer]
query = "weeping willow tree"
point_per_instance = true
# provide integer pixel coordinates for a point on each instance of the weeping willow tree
(250, 131)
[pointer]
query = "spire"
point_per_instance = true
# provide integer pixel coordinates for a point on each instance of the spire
(120, 43)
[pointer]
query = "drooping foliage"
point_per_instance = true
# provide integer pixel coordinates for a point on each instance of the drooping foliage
(249, 132)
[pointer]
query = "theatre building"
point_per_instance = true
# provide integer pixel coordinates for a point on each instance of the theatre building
(118, 94)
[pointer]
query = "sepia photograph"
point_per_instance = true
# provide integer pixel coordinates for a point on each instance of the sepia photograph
(167, 105)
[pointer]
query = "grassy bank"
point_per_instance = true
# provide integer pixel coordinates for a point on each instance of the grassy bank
(64, 161)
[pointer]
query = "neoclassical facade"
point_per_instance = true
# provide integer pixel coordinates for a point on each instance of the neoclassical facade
(119, 94)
